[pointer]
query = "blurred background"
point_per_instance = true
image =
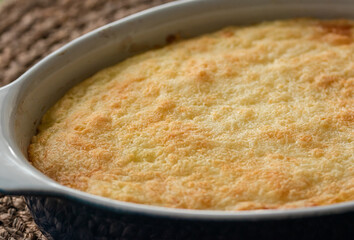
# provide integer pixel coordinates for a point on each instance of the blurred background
(30, 30)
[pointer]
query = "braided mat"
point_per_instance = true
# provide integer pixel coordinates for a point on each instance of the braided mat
(30, 30)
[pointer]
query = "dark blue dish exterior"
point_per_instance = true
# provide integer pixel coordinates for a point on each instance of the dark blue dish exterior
(67, 219)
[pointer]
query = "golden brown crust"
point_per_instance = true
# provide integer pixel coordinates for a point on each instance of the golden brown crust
(257, 117)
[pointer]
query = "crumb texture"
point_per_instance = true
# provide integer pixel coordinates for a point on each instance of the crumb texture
(254, 117)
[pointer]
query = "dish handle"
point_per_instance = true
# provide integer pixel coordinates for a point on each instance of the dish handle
(20, 180)
(16, 175)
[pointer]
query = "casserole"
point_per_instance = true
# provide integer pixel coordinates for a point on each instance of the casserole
(66, 213)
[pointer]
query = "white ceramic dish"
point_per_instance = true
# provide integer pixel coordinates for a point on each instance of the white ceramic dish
(23, 102)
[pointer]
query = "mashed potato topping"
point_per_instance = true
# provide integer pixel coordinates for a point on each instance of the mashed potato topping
(255, 117)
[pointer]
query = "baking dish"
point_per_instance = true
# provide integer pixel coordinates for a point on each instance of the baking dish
(64, 213)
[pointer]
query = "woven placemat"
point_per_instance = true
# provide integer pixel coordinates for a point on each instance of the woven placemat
(30, 30)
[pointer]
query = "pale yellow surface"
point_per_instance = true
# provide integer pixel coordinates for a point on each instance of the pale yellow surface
(251, 117)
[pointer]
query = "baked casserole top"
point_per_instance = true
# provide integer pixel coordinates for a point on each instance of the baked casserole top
(248, 117)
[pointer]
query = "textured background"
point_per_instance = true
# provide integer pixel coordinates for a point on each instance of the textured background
(30, 30)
